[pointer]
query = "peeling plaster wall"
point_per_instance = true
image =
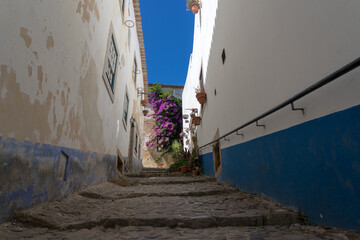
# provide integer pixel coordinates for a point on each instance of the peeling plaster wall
(52, 93)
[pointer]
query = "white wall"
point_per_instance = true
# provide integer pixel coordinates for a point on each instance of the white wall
(52, 57)
(201, 50)
(274, 50)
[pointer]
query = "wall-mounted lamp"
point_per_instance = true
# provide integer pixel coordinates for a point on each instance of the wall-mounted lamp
(137, 71)
(140, 91)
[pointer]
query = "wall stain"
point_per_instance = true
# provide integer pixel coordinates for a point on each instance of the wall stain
(40, 76)
(88, 6)
(36, 55)
(62, 98)
(25, 36)
(36, 114)
(89, 92)
(30, 70)
(54, 114)
(75, 124)
(50, 42)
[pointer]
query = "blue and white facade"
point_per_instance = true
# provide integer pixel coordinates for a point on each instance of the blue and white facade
(255, 55)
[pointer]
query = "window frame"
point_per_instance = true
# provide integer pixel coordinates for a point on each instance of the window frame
(111, 86)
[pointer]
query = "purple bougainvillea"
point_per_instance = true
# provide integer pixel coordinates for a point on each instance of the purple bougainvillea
(168, 113)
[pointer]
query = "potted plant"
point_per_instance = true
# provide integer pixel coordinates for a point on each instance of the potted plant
(144, 102)
(184, 169)
(193, 5)
(145, 112)
(196, 121)
(200, 95)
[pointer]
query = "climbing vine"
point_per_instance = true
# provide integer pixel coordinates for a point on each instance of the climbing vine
(168, 118)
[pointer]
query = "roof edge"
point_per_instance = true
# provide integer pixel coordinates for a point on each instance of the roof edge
(141, 44)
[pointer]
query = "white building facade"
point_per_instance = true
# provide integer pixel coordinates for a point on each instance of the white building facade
(251, 56)
(71, 114)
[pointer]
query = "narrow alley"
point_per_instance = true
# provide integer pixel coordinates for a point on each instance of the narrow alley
(186, 119)
(156, 205)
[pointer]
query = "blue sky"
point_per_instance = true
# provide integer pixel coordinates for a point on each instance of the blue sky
(168, 34)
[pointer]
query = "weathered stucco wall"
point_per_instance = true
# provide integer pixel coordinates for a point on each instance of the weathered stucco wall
(53, 96)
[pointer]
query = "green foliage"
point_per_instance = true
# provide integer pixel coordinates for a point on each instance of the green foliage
(177, 164)
(176, 149)
(303, 219)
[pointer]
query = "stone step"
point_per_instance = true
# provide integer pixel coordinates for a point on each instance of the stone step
(154, 170)
(150, 174)
(234, 209)
(18, 231)
(112, 191)
(173, 179)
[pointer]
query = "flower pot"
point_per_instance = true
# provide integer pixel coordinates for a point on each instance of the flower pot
(196, 121)
(144, 103)
(201, 97)
(195, 7)
(183, 169)
(175, 170)
(190, 167)
(187, 142)
(196, 172)
(145, 112)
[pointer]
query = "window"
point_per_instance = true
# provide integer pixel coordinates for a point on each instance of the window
(110, 64)
(135, 71)
(126, 108)
(223, 56)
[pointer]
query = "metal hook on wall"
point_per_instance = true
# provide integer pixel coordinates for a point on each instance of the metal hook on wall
(129, 23)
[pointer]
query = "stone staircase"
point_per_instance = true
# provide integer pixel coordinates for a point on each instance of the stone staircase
(167, 207)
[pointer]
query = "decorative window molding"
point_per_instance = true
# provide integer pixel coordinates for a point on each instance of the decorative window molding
(110, 64)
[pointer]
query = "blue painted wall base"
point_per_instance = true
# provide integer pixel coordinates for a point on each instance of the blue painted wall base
(29, 173)
(314, 166)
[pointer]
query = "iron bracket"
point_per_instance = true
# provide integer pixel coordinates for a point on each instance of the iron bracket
(297, 109)
(258, 125)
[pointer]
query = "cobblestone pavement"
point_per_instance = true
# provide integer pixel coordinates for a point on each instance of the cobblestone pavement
(163, 208)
